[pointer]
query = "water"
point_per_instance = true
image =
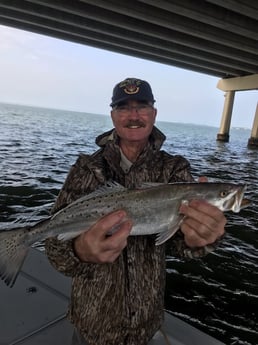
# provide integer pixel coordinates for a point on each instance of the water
(218, 294)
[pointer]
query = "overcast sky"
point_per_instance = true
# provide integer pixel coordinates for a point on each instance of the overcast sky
(43, 71)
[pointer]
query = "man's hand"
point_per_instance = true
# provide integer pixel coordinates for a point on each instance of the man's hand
(96, 246)
(203, 223)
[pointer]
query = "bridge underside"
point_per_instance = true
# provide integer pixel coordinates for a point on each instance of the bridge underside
(214, 37)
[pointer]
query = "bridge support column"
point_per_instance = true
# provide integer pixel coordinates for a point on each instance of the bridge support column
(253, 140)
(223, 134)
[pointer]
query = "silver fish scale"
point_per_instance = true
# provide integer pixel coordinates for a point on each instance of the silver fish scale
(153, 209)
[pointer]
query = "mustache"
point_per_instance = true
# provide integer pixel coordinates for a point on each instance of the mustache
(137, 123)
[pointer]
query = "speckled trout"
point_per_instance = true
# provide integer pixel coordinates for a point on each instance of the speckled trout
(153, 208)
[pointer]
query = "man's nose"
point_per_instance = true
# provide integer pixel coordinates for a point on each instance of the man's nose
(134, 112)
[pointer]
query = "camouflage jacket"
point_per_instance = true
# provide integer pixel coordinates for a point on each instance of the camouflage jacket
(119, 303)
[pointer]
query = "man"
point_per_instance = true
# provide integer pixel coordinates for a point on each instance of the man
(118, 281)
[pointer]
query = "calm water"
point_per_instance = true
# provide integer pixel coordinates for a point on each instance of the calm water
(218, 294)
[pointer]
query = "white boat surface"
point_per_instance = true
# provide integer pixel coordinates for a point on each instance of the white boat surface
(33, 311)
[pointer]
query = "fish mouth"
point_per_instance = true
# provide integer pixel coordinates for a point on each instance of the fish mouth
(235, 202)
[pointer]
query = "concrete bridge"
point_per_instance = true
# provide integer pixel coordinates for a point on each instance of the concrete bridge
(215, 37)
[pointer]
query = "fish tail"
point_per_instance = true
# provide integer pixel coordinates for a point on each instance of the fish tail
(13, 251)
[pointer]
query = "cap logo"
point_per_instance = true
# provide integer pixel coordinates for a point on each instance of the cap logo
(130, 86)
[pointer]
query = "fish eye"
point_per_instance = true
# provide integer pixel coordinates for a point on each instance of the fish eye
(223, 193)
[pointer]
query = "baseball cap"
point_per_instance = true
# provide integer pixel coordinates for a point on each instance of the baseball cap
(132, 88)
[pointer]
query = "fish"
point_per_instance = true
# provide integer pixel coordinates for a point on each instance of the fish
(153, 208)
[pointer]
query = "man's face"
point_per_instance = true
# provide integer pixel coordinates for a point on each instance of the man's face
(134, 120)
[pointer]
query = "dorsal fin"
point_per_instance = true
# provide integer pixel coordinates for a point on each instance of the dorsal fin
(145, 185)
(108, 187)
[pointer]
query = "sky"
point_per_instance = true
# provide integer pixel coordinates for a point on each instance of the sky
(47, 72)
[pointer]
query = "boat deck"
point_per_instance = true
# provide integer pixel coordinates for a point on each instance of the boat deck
(33, 312)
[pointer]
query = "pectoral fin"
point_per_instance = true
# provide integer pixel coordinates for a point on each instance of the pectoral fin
(68, 235)
(163, 236)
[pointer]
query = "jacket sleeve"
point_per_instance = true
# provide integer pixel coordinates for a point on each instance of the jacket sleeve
(81, 180)
(181, 172)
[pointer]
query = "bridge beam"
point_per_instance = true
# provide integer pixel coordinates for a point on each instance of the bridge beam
(249, 82)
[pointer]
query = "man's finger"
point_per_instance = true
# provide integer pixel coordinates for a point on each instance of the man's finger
(119, 238)
(106, 223)
(202, 179)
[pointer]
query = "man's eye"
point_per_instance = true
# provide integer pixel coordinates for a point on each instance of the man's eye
(122, 108)
(142, 106)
